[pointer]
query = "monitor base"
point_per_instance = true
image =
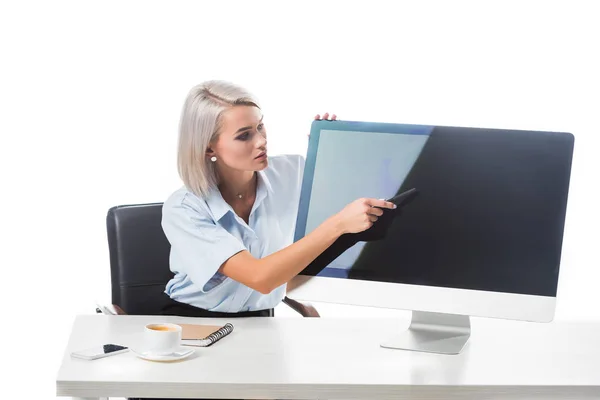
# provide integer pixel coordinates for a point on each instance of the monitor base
(433, 333)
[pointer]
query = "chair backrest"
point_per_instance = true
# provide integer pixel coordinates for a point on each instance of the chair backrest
(139, 258)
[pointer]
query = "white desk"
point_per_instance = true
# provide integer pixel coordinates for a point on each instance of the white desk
(328, 358)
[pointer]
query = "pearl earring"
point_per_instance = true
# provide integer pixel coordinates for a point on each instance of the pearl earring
(213, 159)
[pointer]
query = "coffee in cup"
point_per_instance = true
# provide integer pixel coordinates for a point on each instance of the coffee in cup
(162, 328)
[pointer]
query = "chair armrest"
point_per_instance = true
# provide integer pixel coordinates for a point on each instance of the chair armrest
(304, 309)
(110, 309)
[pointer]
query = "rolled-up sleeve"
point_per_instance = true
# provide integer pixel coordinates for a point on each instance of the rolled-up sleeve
(198, 244)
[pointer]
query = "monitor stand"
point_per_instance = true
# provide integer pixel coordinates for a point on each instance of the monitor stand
(433, 333)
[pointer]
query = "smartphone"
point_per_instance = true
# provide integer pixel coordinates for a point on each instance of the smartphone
(404, 197)
(96, 352)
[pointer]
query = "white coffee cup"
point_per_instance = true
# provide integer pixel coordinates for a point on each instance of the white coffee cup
(162, 338)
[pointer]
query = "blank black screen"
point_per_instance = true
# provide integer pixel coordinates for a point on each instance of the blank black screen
(489, 216)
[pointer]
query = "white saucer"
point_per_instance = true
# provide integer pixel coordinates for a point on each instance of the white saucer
(179, 354)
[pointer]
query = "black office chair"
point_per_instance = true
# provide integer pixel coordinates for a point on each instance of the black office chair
(139, 262)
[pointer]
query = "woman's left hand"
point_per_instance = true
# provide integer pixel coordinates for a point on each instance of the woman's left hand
(326, 116)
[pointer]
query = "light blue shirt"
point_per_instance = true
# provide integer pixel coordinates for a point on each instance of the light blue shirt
(204, 233)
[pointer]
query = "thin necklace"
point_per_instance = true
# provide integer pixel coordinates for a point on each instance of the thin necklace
(239, 195)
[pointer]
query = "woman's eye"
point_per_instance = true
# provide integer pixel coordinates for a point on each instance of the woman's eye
(244, 136)
(260, 127)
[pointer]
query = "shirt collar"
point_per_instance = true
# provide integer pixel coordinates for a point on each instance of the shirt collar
(219, 207)
(263, 189)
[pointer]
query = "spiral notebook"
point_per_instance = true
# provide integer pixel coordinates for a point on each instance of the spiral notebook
(203, 335)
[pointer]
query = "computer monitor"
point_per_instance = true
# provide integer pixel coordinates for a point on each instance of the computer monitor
(483, 237)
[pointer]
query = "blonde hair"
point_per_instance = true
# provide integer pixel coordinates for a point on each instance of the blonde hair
(200, 124)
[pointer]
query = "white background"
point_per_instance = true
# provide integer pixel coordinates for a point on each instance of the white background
(90, 95)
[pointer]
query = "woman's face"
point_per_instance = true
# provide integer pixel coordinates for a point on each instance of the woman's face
(242, 142)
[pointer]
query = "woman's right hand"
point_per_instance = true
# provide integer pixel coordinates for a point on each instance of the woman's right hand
(360, 215)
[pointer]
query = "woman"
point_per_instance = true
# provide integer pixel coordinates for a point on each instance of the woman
(231, 226)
